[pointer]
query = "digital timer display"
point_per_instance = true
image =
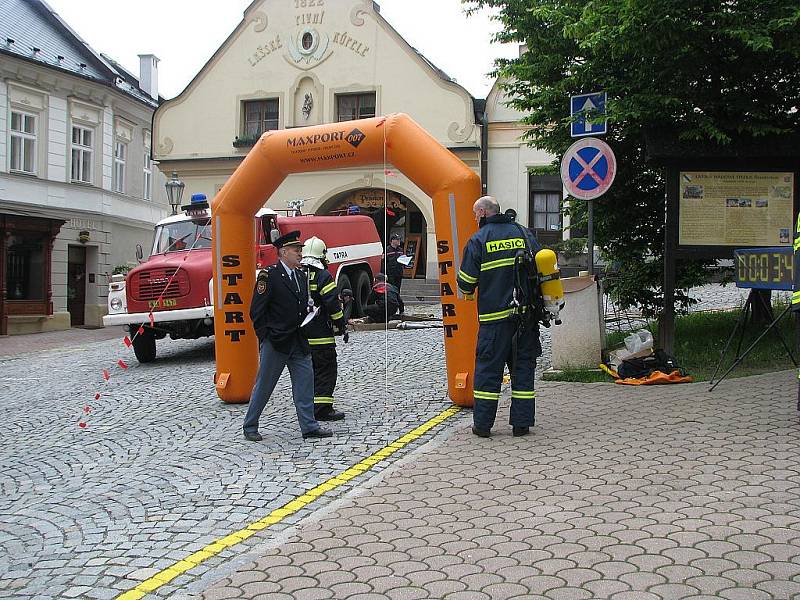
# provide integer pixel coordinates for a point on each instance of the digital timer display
(764, 268)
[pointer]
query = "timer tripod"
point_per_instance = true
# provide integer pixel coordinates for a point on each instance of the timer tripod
(741, 327)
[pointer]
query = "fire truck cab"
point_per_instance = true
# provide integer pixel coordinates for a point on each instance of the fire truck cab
(171, 293)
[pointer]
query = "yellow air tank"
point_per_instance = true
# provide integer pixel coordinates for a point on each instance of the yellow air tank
(550, 283)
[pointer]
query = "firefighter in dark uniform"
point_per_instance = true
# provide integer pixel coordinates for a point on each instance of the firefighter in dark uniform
(319, 331)
(392, 268)
(505, 335)
(280, 304)
(384, 301)
(796, 288)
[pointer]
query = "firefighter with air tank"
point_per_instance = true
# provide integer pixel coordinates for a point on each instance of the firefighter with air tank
(519, 287)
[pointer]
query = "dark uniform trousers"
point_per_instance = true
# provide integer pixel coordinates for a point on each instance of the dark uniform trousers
(325, 371)
(503, 343)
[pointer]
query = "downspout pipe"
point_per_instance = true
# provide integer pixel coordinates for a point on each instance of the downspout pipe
(484, 152)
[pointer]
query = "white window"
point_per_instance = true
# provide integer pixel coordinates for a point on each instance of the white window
(120, 153)
(82, 153)
(23, 142)
(147, 188)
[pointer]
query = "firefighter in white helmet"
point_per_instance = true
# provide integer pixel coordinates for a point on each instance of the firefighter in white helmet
(319, 331)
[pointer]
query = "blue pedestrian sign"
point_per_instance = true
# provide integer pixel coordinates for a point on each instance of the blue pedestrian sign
(582, 105)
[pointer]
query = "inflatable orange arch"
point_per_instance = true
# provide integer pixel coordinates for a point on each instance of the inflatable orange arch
(394, 139)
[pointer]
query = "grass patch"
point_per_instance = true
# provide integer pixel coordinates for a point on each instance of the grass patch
(699, 340)
(577, 376)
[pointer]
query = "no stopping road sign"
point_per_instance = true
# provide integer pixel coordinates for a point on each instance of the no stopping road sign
(588, 168)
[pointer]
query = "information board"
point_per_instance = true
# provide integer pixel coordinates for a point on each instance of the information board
(735, 208)
(764, 268)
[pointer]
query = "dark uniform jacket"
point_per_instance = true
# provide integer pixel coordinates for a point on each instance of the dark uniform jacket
(392, 268)
(325, 295)
(385, 295)
(489, 264)
(278, 309)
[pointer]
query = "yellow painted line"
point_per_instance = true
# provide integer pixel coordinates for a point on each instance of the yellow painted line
(279, 514)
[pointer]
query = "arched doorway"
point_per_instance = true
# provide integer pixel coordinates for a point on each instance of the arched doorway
(401, 216)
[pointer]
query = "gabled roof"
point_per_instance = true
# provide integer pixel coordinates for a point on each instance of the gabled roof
(32, 31)
(379, 18)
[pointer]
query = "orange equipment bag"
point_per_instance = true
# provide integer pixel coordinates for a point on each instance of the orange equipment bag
(657, 378)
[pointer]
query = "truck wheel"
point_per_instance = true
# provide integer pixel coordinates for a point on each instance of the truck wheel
(144, 346)
(361, 292)
(344, 283)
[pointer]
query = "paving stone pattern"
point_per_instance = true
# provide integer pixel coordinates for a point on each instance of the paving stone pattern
(162, 468)
(630, 494)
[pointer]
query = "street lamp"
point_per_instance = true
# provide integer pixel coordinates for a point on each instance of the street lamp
(174, 192)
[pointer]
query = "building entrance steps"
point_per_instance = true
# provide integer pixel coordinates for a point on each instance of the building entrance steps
(420, 291)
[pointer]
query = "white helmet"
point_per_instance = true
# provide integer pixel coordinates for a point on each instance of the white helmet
(314, 251)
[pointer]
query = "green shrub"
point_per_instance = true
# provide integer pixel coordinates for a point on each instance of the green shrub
(570, 248)
(121, 269)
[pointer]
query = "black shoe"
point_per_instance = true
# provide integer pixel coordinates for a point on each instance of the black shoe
(318, 433)
(518, 431)
(333, 415)
(484, 433)
(253, 436)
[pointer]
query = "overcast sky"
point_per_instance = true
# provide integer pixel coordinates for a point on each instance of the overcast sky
(185, 33)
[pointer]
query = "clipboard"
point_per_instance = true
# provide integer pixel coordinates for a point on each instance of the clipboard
(310, 316)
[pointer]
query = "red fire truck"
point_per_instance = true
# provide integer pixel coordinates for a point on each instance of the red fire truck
(175, 283)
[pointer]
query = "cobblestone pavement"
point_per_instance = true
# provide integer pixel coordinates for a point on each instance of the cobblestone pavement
(36, 342)
(162, 468)
(709, 297)
(715, 296)
(629, 494)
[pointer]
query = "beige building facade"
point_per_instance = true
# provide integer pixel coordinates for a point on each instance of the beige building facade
(512, 174)
(295, 63)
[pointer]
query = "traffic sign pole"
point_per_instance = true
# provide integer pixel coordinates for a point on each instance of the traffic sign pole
(587, 171)
(590, 235)
(587, 175)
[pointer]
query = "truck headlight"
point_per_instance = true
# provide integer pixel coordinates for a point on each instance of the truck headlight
(116, 303)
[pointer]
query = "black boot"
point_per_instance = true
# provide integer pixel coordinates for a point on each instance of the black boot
(484, 433)
(331, 415)
(518, 431)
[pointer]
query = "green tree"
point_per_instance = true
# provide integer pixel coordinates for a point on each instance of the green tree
(711, 70)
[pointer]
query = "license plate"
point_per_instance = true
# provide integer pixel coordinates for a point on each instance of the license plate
(163, 303)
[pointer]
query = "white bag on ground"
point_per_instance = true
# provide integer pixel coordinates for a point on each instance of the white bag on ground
(638, 341)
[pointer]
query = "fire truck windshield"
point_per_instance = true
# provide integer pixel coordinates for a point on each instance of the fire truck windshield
(182, 235)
